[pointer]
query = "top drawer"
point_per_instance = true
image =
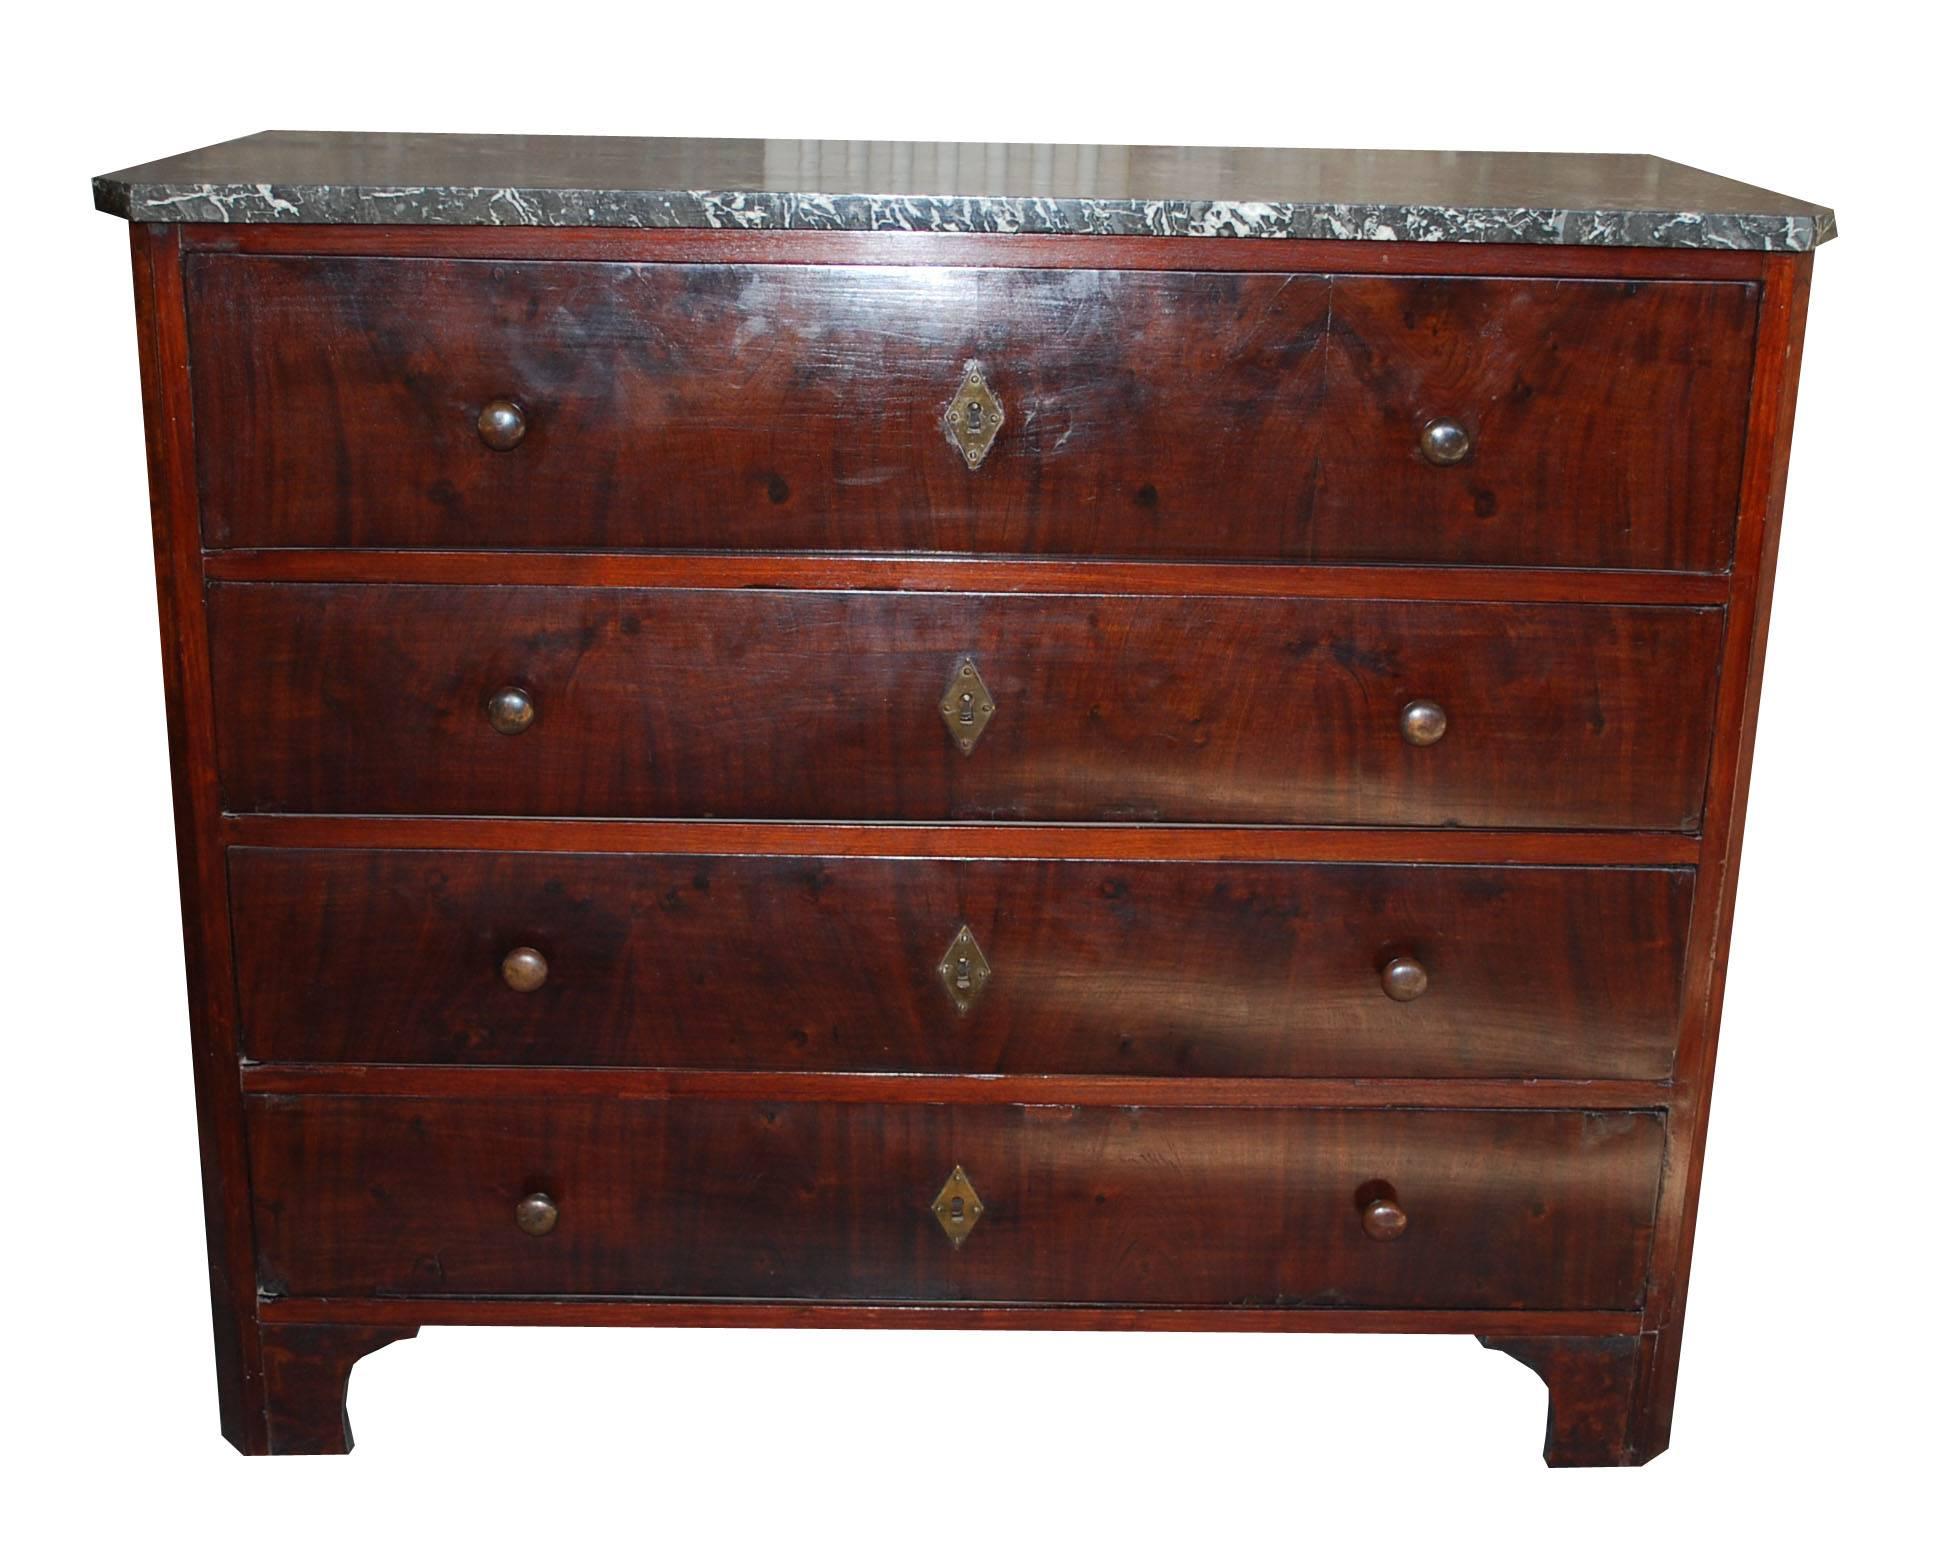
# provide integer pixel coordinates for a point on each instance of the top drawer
(1143, 414)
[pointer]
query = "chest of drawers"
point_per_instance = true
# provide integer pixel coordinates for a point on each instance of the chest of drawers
(1102, 738)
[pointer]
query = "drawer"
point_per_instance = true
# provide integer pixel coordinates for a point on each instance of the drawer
(830, 705)
(851, 964)
(827, 1201)
(1144, 414)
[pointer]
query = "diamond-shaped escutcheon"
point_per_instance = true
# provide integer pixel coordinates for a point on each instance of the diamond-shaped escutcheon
(974, 416)
(967, 705)
(956, 1206)
(963, 970)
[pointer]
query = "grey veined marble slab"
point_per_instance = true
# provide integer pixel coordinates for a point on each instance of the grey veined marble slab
(965, 187)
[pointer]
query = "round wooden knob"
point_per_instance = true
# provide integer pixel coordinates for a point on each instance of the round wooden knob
(524, 969)
(1444, 442)
(1424, 722)
(1383, 1220)
(1403, 978)
(536, 1214)
(502, 424)
(510, 711)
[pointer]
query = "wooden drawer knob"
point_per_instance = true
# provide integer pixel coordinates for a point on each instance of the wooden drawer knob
(1444, 442)
(524, 969)
(536, 1214)
(510, 711)
(1405, 979)
(1424, 722)
(1383, 1220)
(502, 424)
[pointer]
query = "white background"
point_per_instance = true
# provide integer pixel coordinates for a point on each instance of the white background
(1812, 1386)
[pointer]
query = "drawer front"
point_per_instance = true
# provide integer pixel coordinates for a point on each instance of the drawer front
(837, 964)
(834, 1201)
(830, 705)
(1144, 414)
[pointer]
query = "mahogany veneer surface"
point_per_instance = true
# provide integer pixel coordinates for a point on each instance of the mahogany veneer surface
(1164, 414)
(1117, 967)
(822, 1201)
(826, 705)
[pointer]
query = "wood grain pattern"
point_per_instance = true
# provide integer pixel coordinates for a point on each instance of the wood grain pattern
(307, 1367)
(1170, 415)
(1618, 735)
(489, 1081)
(494, 1312)
(1011, 251)
(164, 356)
(859, 572)
(1764, 485)
(769, 963)
(1015, 842)
(802, 1201)
(1592, 1383)
(665, 704)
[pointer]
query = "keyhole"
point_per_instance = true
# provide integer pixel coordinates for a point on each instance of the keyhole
(955, 1209)
(962, 973)
(973, 417)
(967, 714)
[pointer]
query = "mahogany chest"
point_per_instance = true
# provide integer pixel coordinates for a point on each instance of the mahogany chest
(871, 735)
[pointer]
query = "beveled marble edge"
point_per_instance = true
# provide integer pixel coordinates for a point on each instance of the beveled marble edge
(481, 206)
(408, 178)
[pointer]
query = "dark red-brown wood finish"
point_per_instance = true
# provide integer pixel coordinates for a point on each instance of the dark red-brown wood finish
(1183, 1091)
(1177, 414)
(164, 353)
(832, 964)
(827, 705)
(815, 1200)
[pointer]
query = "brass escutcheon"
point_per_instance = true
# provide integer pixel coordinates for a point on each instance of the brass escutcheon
(967, 705)
(956, 1206)
(963, 970)
(974, 416)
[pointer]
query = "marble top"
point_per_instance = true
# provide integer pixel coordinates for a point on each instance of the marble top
(933, 186)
